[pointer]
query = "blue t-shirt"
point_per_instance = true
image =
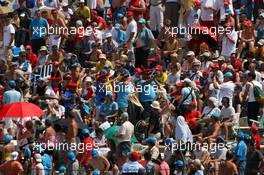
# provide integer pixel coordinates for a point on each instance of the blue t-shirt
(147, 92)
(121, 37)
(185, 92)
(241, 151)
(39, 28)
(122, 92)
(100, 93)
(47, 163)
(108, 108)
(71, 103)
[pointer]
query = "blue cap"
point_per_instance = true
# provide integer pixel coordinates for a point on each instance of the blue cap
(27, 152)
(95, 153)
(152, 140)
(109, 94)
(247, 137)
(85, 131)
(179, 163)
(228, 74)
(96, 172)
(117, 26)
(119, 16)
(8, 138)
(142, 21)
(168, 142)
(41, 79)
(12, 83)
(71, 156)
(240, 135)
(16, 51)
(62, 169)
(104, 71)
(228, 11)
(107, 65)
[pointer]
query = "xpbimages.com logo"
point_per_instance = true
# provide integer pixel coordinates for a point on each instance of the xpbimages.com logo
(176, 146)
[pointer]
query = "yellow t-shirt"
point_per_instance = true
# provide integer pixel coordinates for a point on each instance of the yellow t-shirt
(85, 11)
(100, 66)
(163, 78)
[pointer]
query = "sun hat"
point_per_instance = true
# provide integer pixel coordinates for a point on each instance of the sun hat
(155, 105)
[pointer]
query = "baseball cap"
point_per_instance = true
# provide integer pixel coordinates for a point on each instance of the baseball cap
(117, 26)
(124, 115)
(190, 53)
(152, 140)
(228, 74)
(88, 79)
(108, 35)
(119, 16)
(71, 156)
(95, 153)
(28, 47)
(14, 155)
(134, 156)
(81, 1)
(85, 131)
(179, 163)
(12, 83)
(102, 56)
(142, 21)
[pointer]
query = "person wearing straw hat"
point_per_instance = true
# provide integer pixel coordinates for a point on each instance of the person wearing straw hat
(13, 166)
(43, 56)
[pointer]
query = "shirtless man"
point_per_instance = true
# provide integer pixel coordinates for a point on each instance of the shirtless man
(49, 133)
(13, 73)
(215, 130)
(98, 162)
(247, 37)
(73, 128)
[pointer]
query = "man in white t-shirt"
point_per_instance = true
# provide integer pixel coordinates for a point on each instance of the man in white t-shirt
(131, 33)
(208, 7)
(229, 41)
(253, 107)
(226, 89)
(8, 38)
(125, 134)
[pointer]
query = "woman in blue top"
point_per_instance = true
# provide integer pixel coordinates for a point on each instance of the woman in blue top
(187, 95)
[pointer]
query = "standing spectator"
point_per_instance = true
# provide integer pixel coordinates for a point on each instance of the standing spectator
(241, 153)
(84, 11)
(131, 32)
(8, 38)
(12, 167)
(253, 107)
(143, 43)
(38, 34)
(156, 16)
(208, 8)
(172, 11)
(73, 164)
(12, 95)
(39, 165)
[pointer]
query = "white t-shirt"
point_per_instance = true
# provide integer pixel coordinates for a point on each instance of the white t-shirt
(227, 112)
(131, 28)
(8, 30)
(207, 14)
(91, 4)
(193, 17)
(226, 90)
(127, 129)
(251, 97)
(229, 47)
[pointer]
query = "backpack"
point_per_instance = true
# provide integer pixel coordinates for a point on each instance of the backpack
(258, 94)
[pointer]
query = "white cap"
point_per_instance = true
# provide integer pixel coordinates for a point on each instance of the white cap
(190, 53)
(81, 1)
(79, 23)
(88, 79)
(38, 157)
(64, 4)
(14, 155)
(107, 35)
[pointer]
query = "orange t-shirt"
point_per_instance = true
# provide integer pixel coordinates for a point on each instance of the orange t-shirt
(12, 167)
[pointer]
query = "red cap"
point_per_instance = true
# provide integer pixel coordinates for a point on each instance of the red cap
(2, 88)
(152, 60)
(54, 79)
(247, 23)
(179, 84)
(55, 63)
(197, 3)
(226, 2)
(134, 156)
(72, 85)
(206, 72)
(28, 47)
(215, 66)
(137, 70)
(193, 103)
(158, 67)
(144, 71)
(130, 13)
(254, 128)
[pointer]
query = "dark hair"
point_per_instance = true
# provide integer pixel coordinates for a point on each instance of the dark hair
(229, 155)
(252, 75)
(98, 131)
(147, 156)
(227, 100)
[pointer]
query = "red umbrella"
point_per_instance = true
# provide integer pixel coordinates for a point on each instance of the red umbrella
(20, 110)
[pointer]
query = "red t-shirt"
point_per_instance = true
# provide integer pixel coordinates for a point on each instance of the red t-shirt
(88, 144)
(33, 59)
(191, 118)
(89, 93)
(100, 21)
(257, 138)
